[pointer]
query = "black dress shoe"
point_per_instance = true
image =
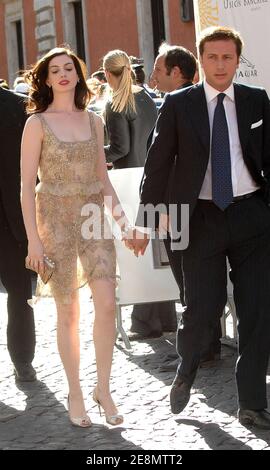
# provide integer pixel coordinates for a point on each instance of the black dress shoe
(258, 418)
(24, 372)
(179, 396)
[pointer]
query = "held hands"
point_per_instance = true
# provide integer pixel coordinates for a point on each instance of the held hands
(135, 240)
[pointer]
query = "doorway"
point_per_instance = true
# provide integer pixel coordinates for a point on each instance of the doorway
(159, 34)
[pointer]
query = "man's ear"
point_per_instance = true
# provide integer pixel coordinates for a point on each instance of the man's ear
(177, 72)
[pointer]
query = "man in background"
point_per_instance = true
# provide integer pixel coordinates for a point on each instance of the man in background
(13, 244)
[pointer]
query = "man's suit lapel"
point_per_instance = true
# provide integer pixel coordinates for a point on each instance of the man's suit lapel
(198, 112)
(243, 112)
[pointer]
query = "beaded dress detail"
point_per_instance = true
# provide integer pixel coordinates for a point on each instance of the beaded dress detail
(70, 215)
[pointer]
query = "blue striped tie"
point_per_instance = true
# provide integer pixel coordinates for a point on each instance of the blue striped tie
(222, 192)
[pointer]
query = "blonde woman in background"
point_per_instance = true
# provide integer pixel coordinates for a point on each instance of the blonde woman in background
(130, 115)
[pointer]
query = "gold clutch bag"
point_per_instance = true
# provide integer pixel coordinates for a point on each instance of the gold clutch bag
(49, 267)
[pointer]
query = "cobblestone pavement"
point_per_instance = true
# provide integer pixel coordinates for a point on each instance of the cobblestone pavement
(34, 416)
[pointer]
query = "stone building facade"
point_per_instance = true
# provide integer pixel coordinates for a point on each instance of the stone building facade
(29, 28)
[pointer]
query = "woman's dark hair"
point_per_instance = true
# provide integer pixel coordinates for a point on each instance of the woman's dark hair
(41, 95)
(139, 74)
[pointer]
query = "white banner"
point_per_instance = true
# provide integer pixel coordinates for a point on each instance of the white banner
(252, 19)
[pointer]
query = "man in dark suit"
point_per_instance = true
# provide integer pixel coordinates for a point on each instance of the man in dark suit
(220, 134)
(13, 245)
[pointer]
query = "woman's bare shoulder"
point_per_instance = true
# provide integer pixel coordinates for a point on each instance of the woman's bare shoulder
(33, 123)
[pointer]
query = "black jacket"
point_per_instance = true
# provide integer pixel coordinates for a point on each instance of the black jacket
(128, 132)
(183, 131)
(12, 120)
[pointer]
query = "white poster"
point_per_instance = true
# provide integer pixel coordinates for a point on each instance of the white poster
(252, 19)
(147, 278)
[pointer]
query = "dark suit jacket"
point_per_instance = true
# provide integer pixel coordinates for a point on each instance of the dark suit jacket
(128, 132)
(183, 131)
(12, 120)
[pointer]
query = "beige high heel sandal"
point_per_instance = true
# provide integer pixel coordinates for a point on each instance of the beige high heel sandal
(114, 420)
(83, 422)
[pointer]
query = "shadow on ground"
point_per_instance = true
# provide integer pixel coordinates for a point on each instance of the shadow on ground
(44, 424)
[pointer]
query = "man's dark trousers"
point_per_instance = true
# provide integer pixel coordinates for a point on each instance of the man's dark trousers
(17, 281)
(13, 240)
(242, 233)
(175, 259)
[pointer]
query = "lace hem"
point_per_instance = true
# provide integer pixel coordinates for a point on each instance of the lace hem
(66, 299)
(59, 188)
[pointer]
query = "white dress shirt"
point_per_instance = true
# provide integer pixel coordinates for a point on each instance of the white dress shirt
(242, 180)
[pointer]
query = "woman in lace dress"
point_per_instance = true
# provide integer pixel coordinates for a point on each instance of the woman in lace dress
(63, 144)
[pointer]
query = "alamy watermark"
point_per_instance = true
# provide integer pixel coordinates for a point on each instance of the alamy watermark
(97, 226)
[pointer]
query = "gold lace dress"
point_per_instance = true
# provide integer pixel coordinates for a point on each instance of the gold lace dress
(70, 215)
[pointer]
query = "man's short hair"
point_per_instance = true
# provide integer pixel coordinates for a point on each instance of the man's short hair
(220, 33)
(178, 56)
(99, 75)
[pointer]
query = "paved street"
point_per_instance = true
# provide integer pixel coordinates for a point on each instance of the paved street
(34, 416)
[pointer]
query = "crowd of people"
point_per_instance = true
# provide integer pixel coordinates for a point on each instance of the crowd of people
(206, 145)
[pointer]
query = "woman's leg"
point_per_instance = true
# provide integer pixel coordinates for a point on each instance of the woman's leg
(69, 349)
(104, 338)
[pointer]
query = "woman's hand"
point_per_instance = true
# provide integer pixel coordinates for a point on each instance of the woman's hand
(136, 241)
(127, 236)
(35, 255)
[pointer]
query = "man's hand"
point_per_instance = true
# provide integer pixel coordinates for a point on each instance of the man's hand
(137, 241)
(164, 225)
(140, 242)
